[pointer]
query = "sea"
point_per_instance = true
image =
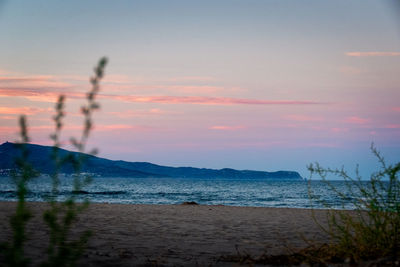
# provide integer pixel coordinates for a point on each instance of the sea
(206, 191)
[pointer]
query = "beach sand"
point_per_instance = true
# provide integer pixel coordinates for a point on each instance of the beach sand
(175, 235)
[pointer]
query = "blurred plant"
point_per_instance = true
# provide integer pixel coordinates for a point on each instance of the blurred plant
(14, 250)
(61, 216)
(63, 250)
(372, 230)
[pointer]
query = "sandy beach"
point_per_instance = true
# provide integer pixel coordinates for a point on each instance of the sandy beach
(175, 235)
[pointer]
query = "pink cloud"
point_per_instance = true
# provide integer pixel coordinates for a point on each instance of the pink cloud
(206, 100)
(397, 109)
(356, 120)
(373, 54)
(226, 127)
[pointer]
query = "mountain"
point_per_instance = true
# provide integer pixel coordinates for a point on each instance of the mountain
(40, 158)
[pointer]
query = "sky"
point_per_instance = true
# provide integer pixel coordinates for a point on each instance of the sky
(258, 84)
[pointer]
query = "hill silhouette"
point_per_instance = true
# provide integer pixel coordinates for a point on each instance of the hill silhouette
(40, 158)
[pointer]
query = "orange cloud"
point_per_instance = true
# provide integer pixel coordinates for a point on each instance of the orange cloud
(21, 110)
(356, 120)
(373, 54)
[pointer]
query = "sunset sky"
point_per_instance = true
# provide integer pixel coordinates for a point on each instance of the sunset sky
(265, 85)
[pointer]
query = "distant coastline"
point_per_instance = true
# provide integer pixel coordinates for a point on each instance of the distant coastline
(101, 167)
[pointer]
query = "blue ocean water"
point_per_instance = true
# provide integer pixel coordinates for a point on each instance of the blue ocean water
(233, 192)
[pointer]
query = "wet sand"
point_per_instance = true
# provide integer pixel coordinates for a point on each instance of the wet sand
(175, 235)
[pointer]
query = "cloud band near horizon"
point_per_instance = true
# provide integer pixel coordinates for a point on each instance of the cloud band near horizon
(48, 96)
(207, 100)
(48, 88)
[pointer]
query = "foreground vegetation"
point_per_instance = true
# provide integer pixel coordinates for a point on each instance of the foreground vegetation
(372, 231)
(369, 235)
(63, 250)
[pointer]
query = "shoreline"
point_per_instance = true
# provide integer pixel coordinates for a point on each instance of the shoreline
(184, 204)
(170, 235)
